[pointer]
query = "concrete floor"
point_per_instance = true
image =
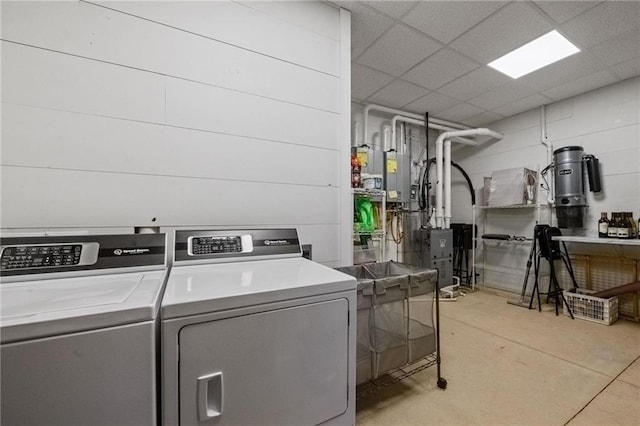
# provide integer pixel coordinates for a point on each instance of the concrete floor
(506, 365)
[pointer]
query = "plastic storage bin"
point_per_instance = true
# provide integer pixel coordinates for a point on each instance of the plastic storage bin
(590, 308)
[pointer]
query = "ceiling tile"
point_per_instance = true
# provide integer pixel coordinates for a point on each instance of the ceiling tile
(565, 70)
(483, 118)
(397, 94)
(473, 84)
(460, 112)
(366, 81)
(502, 95)
(398, 50)
(581, 85)
(618, 49)
(608, 32)
(523, 104)
(628, 69)
(440, 68)
(432, 103)
(392, 8)
(602, 22)
(366, 26)
(562, 11)
(508, 28)
(446, 20)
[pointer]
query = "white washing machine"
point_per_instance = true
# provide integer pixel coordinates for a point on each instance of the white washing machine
(254, 334)
(79, 329)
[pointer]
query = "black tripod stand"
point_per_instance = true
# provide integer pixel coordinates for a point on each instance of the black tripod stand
(550, 251)
(533, 258)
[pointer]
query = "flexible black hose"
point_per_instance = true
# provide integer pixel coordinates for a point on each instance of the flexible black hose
(422, 197)
(466, 176)
(457, 166)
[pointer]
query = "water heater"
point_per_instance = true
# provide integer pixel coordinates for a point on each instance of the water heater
(569, 165)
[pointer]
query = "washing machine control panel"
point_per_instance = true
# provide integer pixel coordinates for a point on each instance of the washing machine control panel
(47, 255)
(215, 245)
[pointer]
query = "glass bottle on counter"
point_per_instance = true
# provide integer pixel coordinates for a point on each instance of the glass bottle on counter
(623, 226)
(631, 226)
(612, 231)
(603, 225)
(634, 227)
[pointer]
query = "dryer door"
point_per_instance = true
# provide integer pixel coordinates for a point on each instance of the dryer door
(286, 366)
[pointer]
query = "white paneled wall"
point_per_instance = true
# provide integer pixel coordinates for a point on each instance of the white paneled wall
(123, 114)
(606, 122)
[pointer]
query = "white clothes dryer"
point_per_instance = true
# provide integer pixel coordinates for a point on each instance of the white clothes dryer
(79, 329)
(254, 334)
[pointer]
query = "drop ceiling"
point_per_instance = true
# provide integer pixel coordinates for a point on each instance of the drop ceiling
(431, 56)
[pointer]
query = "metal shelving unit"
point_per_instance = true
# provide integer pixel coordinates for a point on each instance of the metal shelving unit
(378, 196)
(537, 207)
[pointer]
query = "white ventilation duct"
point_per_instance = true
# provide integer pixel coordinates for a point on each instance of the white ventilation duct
(374, 107)
(443, 169)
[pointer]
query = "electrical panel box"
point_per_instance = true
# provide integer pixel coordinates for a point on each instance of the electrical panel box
(397, 177)
(437, 252)
(370, 160)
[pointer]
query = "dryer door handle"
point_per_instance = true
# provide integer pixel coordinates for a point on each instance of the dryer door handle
(210, 396)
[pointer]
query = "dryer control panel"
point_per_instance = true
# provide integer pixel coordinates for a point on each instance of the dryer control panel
(48, 255)
(221, 245)
(212, 245)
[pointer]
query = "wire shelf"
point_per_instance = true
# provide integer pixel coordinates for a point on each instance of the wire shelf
(372, 192)
(375, 385)
(511, 206)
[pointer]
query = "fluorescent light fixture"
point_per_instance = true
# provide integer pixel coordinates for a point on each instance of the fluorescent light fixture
(534, 55)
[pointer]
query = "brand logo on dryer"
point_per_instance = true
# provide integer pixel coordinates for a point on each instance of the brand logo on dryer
(120, 252)
(276, 242)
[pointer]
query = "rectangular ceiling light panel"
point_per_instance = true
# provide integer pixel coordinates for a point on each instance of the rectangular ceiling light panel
(534, 55)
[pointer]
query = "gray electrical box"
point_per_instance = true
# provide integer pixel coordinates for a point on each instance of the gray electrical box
(397, 177)
(437, 252)
(370, 160)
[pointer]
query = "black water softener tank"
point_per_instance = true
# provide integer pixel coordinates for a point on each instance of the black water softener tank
(569, 184)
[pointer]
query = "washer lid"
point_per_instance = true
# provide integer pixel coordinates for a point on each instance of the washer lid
(193, 290)
(45, 308)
